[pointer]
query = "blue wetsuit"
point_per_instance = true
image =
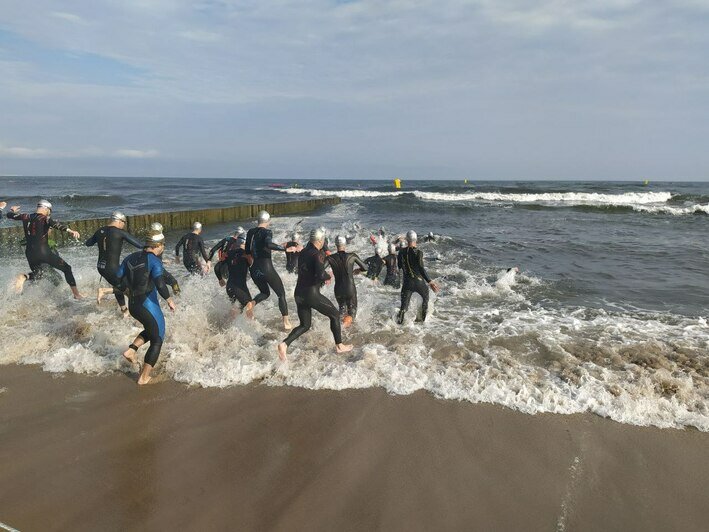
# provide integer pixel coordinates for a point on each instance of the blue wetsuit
(141, 274)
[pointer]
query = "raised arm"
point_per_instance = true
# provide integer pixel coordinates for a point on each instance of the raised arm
(92, 241)
(272, 245)
(133, 241)
(219, 245)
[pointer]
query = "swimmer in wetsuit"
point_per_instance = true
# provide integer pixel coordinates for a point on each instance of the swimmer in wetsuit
(374, 265)
(141, 275)
(221, 270)
(110, 240)
(429, 237)
(259, 244)
(37, 248)
(192, 245)
(391, 263)
(157, 229)
(238, 263)
(292, 256)
(342, 264)
(311, 274)
(410, 261)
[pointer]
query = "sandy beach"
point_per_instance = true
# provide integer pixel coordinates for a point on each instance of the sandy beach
(97, 453)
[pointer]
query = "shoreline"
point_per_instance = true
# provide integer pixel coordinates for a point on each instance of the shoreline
(97, 452)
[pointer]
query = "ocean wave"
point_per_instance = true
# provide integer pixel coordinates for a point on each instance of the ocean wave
(560, 198)
(485, 342)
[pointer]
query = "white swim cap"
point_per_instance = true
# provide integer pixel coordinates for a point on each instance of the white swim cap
(154, 240)
(196, 226)
(263, 217)
(411, 236)
(340, 241)
(44, 204)
(120, 217)
(379, 251)
(156, 227)
(317, 235)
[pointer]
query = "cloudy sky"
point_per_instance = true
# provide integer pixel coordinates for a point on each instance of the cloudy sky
(486, 89)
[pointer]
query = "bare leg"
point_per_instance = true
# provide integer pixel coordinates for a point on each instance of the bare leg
(343, 348)
(125, 312)
(282, 352)
(102, 292)
(130, 353)
(347, 321)
(286, 323)
(145, 374)
(77, 294)
(249, 308)
(20, 283)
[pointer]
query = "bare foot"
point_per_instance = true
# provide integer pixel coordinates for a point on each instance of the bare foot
(286, 323)
(20, 283)
(145, 374)
(125, 312)
(282, 350)
(102, 292)
(77, 294)
(249, 308)
(343, 348)
(129, 355)
(347, 322)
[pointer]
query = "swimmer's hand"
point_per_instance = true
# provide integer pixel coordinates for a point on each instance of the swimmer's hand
(208, 266)
(434, 287)
(15, 209)
(3, 204)
(73, 233)
(171, 304)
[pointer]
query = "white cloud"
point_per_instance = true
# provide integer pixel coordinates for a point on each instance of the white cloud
(23, 152)
(69, 17)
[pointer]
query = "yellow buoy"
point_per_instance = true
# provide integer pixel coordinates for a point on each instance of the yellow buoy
(646, 182)
(397, 183)
(466, 182)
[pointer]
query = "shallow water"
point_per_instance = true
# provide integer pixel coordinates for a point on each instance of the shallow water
(607, 314)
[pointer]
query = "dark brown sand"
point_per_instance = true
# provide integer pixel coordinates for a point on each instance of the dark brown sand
(97, 453)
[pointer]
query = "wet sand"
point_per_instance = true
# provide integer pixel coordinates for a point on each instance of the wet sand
(97, 453)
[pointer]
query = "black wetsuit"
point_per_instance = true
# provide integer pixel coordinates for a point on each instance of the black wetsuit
(416, 279)
(292, 258)
(221, 269)
(193, 246)
(374, 266)
(141, 275)
(311, 275)
(392, 275)
(342, 264)
(238, 263)
(110, 243)
(259, 245)
(37, 249)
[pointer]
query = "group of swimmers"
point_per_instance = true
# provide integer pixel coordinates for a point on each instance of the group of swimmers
(141, 277)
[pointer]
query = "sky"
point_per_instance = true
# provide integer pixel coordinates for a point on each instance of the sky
(480, 89)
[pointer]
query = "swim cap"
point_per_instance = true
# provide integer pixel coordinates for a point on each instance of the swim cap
(120, 217)
(44, 204)
(156, 227)
(430, 233)
(317, 235)
(411, 236)
(263, 217)
(392, 249)
(340, 241)
(196, 226)
(378, 251)
(154, 240)
(240, 241)
(402, 244)
(240, 230)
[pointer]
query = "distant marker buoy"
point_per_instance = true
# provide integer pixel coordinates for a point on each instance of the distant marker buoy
(397, 183)
(646, 182)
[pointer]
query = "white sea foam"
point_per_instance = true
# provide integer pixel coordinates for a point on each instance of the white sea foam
(565, 198)
(485, 342)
